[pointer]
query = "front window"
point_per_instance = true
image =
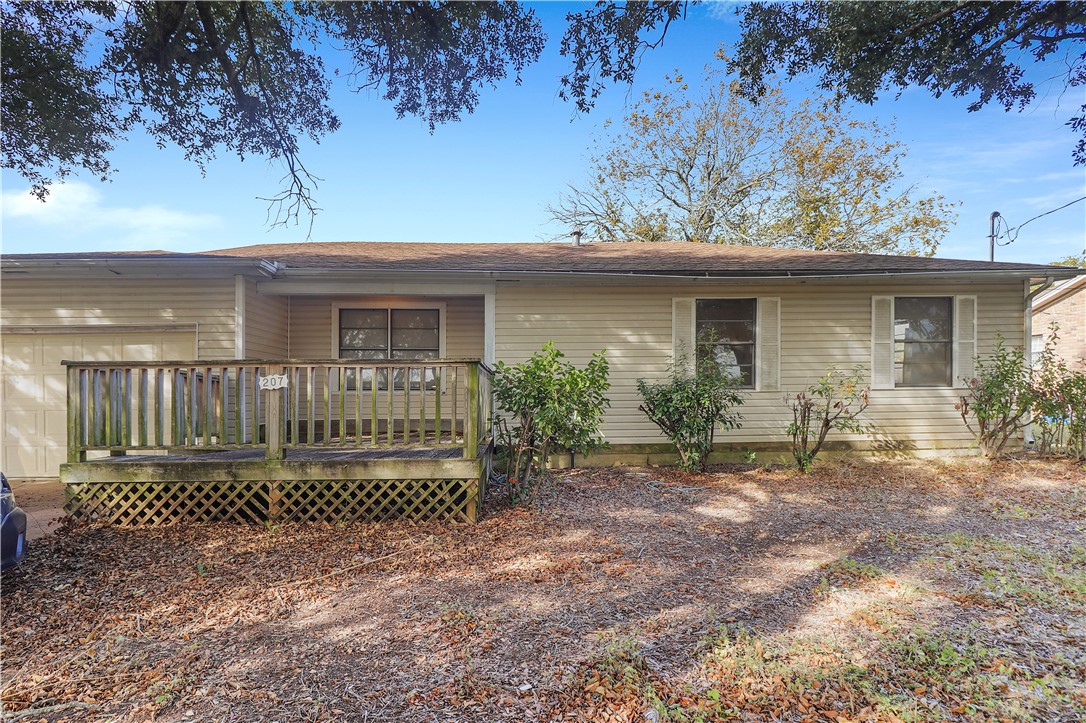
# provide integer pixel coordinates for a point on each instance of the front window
(923, 341)
(725, 334)
(396, 334)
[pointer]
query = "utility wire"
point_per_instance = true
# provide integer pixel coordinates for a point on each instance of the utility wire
(1015, 230)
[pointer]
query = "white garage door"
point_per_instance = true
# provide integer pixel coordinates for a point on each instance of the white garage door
(34, 388)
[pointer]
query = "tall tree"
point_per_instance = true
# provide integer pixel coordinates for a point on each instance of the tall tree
(862, 49)
(254, 77)
(1078, 262)
(717, 167)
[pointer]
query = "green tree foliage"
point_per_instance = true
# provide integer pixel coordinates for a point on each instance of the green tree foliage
(716, 167)
(554, 407)
(862, 49)
(832, 403)
(1059, 402)
(253, 78)
(999, 400)
(52, 116)
(1008, 394)
(689, 406)
(605, 44)
(1077, 262)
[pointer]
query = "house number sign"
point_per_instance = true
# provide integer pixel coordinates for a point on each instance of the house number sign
(274, 381)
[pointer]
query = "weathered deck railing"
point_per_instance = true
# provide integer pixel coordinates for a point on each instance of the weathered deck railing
(193, 406)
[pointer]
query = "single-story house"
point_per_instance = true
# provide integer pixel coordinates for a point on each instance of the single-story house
(1065, 305)
(324, 315)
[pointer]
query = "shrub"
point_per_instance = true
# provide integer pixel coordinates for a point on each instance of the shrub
(1074, 393)
(832, 403)
(1059, 403)
(1050, 412)
(554, 407)
(688, 407)
(998, 401)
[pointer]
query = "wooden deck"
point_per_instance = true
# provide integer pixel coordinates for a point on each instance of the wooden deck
(258, 441)
(299, 454)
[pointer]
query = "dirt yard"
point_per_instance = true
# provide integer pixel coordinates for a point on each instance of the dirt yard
(43, 503)
(864, 592)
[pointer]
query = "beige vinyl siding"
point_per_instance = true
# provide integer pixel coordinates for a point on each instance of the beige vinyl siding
(265, 324)
(207, 303)
(314, 322)
(464, 332)
(820, 325)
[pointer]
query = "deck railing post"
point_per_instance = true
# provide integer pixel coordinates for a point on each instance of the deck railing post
(75, 417)
(471, 428)
(273, 419)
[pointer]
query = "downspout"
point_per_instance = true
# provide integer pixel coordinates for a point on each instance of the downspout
(1030, 296)
(1027, 345)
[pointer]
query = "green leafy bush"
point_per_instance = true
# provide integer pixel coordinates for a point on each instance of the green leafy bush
(832, 403)
(1074, 394)
(999, 399)
(688, 407)
(1059, 403)
(554, 407)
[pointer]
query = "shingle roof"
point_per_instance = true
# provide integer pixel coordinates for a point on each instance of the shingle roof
(624, 258)
(674, 258)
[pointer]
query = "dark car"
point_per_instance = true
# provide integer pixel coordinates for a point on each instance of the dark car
(12, 528)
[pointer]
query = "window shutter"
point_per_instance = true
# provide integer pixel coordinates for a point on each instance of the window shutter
(882, 342)
(768, 339)
(965, 338)
(682, 333)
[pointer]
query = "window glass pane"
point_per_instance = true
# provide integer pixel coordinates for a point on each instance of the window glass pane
(363, 318)
(415, 319)
(923, 364)
(924, 375)
(364, 335)
(922, 318)
(726, 309)
(922, 333)
(736, 331)
(736, 359)
(411, 329)
(362, 338)
(1037, 345)
(725, 319)
(414, 353)
(367, 379)
(926, 353)
(725, 334)
(363, 354)
(415, 339)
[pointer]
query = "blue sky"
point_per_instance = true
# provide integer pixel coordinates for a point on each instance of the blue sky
(490, 177)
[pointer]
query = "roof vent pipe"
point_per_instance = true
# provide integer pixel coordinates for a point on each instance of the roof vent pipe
(577, 233)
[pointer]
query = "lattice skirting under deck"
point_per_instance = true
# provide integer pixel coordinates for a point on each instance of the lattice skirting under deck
(164, 503)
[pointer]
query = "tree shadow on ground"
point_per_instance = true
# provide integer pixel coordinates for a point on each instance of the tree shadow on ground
(459, 622)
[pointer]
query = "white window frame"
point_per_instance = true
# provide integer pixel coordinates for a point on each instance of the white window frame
(757, 386)
(953, 341)
(387, 306)
(361, 305)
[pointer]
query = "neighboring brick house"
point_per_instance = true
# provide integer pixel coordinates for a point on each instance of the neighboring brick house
(1065, 304)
